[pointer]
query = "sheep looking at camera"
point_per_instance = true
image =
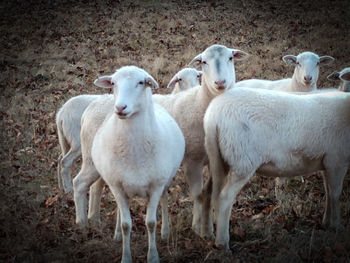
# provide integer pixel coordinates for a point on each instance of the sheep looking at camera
(137, 151)
(304, 78)
(68, 120)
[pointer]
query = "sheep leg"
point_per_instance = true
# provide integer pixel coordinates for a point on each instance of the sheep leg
(207, 229)
(66, 163)
(165, 222)
(95, 200)
(333, 184)
(59, 175)
(192, 170)
(118, 229)
(151, 223)
(125, 219)
(81, 183)
(226, 199)
(279, 183)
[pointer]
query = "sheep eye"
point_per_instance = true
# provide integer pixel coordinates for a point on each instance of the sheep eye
(318, 63)
(141, 82)
(112, 83)
(204, 62)
(179, 80)
(230, 58)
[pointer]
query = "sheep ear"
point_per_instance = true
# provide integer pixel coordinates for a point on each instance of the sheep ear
(345, 76)
(197, 60)
(239, 55)
(290, 59)
(151, 82)
(104, 82)
(333, 76)
(326, 60)
(172, 82)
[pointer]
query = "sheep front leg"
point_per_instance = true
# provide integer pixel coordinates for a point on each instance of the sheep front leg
(81, 183)
(333, 184)
(125, 219)
(193, 173)
(118, 229)
(207, 229)
(226, 199)
(151, 222)
(96, 190)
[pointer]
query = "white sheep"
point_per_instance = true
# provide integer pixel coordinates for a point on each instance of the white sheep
(68, 129)
(137, 151)
(304, 78)
(275, 134)
(188, 109)
(186, 78)
(344, 78)
(69, 116)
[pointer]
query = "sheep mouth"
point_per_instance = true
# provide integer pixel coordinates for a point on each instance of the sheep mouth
(122, 115)
(221, 88)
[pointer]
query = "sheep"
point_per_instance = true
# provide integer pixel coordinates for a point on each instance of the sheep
(68, 131)
(137, 151)
(304, 78)
(343, 76)
(184, 79)
(188, 108)
(275, 134)
(68, 124)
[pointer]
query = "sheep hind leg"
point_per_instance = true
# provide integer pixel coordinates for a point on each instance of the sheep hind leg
(81, 183)
(66, 164)
(193, 173)
(96, 190)
(165, 221)
(226, 199)
(333, 184)
(59, 174)
(151, 223)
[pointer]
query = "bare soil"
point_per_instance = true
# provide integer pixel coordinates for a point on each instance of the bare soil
(53, 50)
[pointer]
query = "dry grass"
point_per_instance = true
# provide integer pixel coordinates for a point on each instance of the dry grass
(53, 50)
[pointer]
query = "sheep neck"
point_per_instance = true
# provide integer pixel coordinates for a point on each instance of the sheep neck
(297, 85)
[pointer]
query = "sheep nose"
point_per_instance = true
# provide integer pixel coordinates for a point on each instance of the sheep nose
(307, 79)
(220, 84)
(120, 109)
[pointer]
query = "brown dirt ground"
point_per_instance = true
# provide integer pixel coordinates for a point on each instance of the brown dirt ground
(53, 50)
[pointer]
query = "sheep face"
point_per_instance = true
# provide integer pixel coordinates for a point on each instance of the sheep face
(217, 64)
(344, 77)
(131, 88)
(186, 78)
(307, 66)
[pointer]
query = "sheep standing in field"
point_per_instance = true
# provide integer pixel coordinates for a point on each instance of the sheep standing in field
(275, 134)
(188, 109)
(69, 117)
(304, 79)
(68, 129)
(343, 76)
(137, 151)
